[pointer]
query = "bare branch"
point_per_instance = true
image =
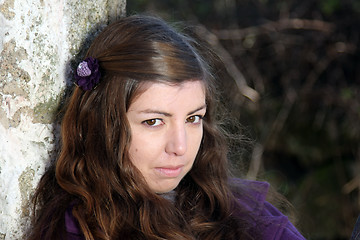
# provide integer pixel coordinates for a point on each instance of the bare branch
(351, 185)
(256, 162)
(229, 64)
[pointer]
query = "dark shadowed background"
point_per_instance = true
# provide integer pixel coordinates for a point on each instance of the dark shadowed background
(291, 77)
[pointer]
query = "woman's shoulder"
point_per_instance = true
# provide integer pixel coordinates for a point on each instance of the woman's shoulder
(72, 227)
(250, 194)
(265, 218)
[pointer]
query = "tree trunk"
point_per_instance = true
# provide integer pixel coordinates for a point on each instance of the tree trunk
(39, 42)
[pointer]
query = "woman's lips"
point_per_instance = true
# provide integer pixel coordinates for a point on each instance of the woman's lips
(169, 171)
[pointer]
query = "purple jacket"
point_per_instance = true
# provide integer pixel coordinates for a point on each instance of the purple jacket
(269, 221)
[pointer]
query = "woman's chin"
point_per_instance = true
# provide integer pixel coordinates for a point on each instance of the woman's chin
(164, 188)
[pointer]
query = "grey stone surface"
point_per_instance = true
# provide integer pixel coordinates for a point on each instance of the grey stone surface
(38, 42)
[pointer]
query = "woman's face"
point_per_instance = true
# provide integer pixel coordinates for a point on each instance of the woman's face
(166, 130)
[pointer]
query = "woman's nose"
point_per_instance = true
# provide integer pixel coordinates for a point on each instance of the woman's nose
(177, 140)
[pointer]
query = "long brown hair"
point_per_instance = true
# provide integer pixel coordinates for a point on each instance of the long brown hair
(93, 174)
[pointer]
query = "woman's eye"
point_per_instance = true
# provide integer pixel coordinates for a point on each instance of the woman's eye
(194, 119)
(153, 122)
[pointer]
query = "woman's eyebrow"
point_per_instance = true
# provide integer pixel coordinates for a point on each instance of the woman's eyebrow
(198, 109)
(152, 111)
(166, 114)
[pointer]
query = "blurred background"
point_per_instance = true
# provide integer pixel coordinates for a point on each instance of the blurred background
(291, 77)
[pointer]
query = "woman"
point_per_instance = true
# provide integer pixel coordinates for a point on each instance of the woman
(142, 156)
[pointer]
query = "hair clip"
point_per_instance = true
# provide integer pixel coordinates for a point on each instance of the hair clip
(88, 74)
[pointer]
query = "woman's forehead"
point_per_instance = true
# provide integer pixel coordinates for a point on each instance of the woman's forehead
(157, 86)
(187, 83)
(163, 94)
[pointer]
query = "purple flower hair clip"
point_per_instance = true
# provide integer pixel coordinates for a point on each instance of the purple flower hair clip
(88, 74)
